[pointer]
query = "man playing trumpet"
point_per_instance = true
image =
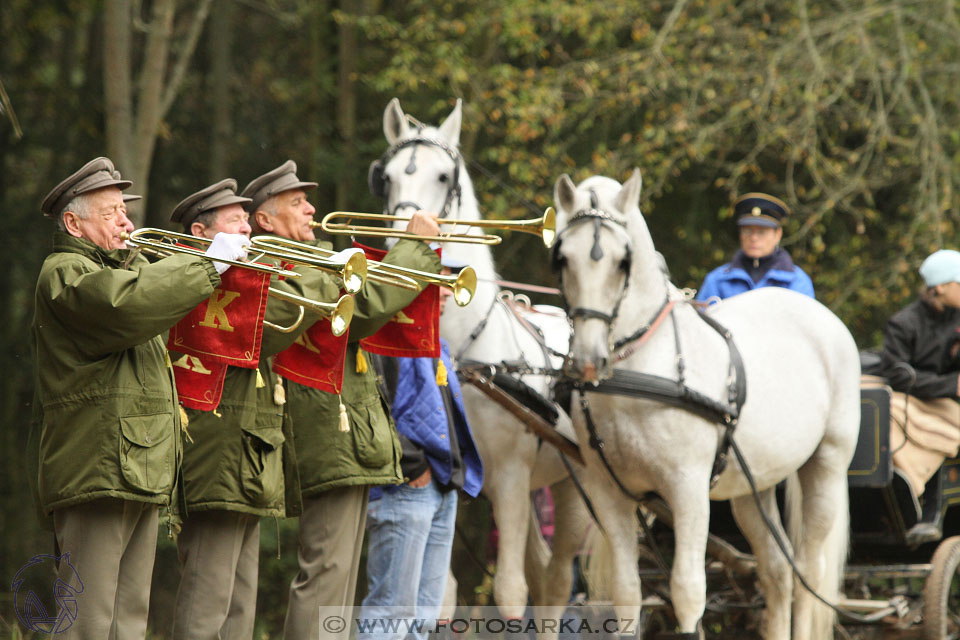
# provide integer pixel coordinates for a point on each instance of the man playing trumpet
(107, 418)
(234, 461)
(337, 466)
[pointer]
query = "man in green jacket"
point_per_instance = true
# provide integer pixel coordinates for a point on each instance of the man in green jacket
(233, 462)
(108, 423)
(337, 467)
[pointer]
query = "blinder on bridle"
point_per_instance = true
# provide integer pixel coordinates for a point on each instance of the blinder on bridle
(378, 180)
(598, 217)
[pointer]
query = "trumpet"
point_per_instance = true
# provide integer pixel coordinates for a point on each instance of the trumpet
(462, 284)
(352, 270)
(340, 313)
(544, 226)
(284, 246)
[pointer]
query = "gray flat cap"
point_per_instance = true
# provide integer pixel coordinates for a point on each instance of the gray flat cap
(283, 178)
(207, 199)
(96, 174)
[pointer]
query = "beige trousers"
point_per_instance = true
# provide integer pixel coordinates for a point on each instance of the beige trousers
(112, 544)
(929, 435)
(219, 554)
(331, 536)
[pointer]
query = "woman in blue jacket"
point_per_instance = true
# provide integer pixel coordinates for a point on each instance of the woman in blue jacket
(760, 262)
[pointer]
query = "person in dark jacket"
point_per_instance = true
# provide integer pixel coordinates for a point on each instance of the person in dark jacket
(108, 427)
(410, 527)
(926, 336)
(761, 261)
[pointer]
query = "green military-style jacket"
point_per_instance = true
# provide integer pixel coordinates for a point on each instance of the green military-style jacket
(240, 457)
(369, 453)
(107, 420)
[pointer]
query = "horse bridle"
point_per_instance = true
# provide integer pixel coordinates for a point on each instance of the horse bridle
(377, 178)
(599, 217)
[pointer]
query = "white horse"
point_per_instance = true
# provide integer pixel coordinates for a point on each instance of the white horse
(799, 421)
(423, 169)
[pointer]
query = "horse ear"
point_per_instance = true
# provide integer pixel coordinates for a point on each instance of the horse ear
(394, 122)
(564, 193)
(450, 129)
(629, 195)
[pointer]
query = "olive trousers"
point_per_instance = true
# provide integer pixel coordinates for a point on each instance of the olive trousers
(219, 554)
(111, 545)
(330, 540)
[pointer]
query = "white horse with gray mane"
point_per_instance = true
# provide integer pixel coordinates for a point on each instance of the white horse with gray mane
(423, 169)
(798, 420)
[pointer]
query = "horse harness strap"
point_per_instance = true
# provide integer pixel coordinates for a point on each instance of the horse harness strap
(675, 393)
(641, 335)
(498, 388)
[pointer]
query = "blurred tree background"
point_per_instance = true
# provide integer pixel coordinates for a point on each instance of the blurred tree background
(847, 109)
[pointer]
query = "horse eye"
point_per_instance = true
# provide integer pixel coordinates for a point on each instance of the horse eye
(443, 177)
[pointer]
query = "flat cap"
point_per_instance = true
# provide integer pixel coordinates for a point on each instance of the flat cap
(760, 210)
(96, 174)
(207, 199)
(283, 178)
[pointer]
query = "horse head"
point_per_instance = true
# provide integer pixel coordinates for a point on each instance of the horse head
(603, 246)
(422, 168)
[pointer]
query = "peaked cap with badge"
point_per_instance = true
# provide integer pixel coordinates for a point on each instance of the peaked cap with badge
(760, 210)
(207, 199)
(99, 173)
(283, 178)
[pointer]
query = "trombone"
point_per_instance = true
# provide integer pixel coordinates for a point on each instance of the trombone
(463, 284)
(340, 312)
(545, 227)
(352, 270)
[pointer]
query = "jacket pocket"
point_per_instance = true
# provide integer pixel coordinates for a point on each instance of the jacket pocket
(261, 465)
(147, 451)
(372, 437)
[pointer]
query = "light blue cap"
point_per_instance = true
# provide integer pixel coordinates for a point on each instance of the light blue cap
(941, 267)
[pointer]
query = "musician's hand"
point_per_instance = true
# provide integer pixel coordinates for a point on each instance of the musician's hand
(229, 246)
(422, 480)
(423, 223)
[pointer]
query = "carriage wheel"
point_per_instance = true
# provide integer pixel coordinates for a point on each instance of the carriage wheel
(941, 593)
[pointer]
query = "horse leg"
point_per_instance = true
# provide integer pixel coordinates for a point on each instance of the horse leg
(511, 510)
(821, 541)
(690, 503)
(617, 517)
(773, 570)
(536, 560)
(571, 520)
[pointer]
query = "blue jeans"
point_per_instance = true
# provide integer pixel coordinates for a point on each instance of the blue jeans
(410, 535)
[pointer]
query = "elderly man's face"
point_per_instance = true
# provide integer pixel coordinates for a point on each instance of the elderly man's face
(293, 217)
(231, 218)
(759, 242)
(106, 219)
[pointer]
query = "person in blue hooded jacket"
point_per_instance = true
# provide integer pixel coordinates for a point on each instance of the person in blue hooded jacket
(410, 526)
(761, 261)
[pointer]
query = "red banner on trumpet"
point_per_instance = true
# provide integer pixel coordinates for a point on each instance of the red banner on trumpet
(413, 332)
(199, 381)
(226, 328)
(315, 359)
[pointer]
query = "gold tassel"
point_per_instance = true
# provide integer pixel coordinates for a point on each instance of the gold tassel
(279, 393)
(184, 423)
(260, 383)
(361, 361)
(344, 418)
(441, 373)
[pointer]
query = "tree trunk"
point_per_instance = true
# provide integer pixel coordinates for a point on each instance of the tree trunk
(221, 23)
(116, 83)
(347, 102)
